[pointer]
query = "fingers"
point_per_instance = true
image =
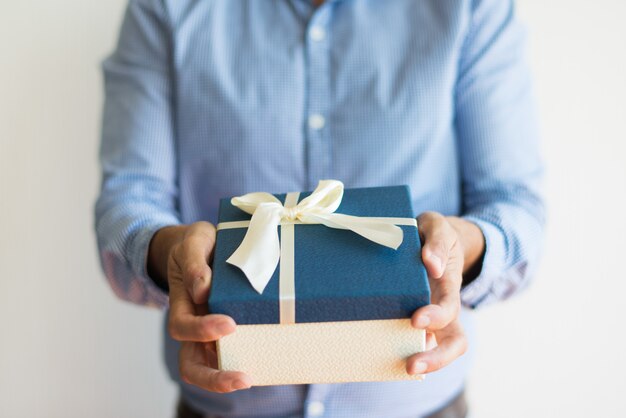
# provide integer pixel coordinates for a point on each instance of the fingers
(192, 257)
(438, 238)
(435, 317)
(446, 304)
(451, 344)
(443, 260)
(185, 325)
(189, 278)
(194, 370)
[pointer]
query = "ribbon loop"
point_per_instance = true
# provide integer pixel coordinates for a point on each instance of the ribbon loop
(259, 252)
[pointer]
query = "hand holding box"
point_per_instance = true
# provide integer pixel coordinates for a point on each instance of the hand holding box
(337, 308)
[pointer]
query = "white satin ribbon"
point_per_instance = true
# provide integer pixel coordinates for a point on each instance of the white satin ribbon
(260, 251)
(287, 272)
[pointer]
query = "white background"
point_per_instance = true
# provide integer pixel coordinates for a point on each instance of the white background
(68, 348)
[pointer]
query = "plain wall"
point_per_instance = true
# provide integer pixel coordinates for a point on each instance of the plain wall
(68, 348)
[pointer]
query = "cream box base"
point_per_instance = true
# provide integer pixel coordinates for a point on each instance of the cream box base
(322, 352)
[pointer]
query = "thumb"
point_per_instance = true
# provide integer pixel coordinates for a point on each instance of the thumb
(193, 259)
(437, 238)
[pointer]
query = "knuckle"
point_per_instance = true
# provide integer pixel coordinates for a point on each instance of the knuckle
(203, 226)
(193, 271)
(204, 231)
(209, 227)
(425, 221)
(430, 215)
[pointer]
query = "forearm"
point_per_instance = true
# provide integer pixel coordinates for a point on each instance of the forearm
(138, 155)
(124, 227)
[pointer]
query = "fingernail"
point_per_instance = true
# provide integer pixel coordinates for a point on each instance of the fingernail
(423, 322)
(419, 367)
(240, 384)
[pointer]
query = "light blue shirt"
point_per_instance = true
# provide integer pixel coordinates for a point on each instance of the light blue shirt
(213, 98)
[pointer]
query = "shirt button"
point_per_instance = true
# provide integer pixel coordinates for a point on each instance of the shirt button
(316, 121)
(315, 409)
(317, 33)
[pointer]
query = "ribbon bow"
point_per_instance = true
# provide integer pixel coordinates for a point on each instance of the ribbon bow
(259, 252)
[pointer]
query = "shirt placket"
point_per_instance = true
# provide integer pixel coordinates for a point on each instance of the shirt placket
(316, 403)
(318, 92)
(317, 44)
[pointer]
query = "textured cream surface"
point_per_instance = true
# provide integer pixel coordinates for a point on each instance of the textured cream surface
(322, 352)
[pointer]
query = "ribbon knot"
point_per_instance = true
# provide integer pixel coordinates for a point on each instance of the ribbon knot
(259, 252)
(290, 214)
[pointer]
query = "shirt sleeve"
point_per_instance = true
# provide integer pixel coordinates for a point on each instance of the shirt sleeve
(498, 142)
(139, 187)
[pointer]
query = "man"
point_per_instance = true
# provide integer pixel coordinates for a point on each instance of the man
(207, 99)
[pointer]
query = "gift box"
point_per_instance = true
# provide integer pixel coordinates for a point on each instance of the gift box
(321, 285)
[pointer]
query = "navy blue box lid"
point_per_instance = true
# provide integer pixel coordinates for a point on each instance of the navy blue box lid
(339, 275)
